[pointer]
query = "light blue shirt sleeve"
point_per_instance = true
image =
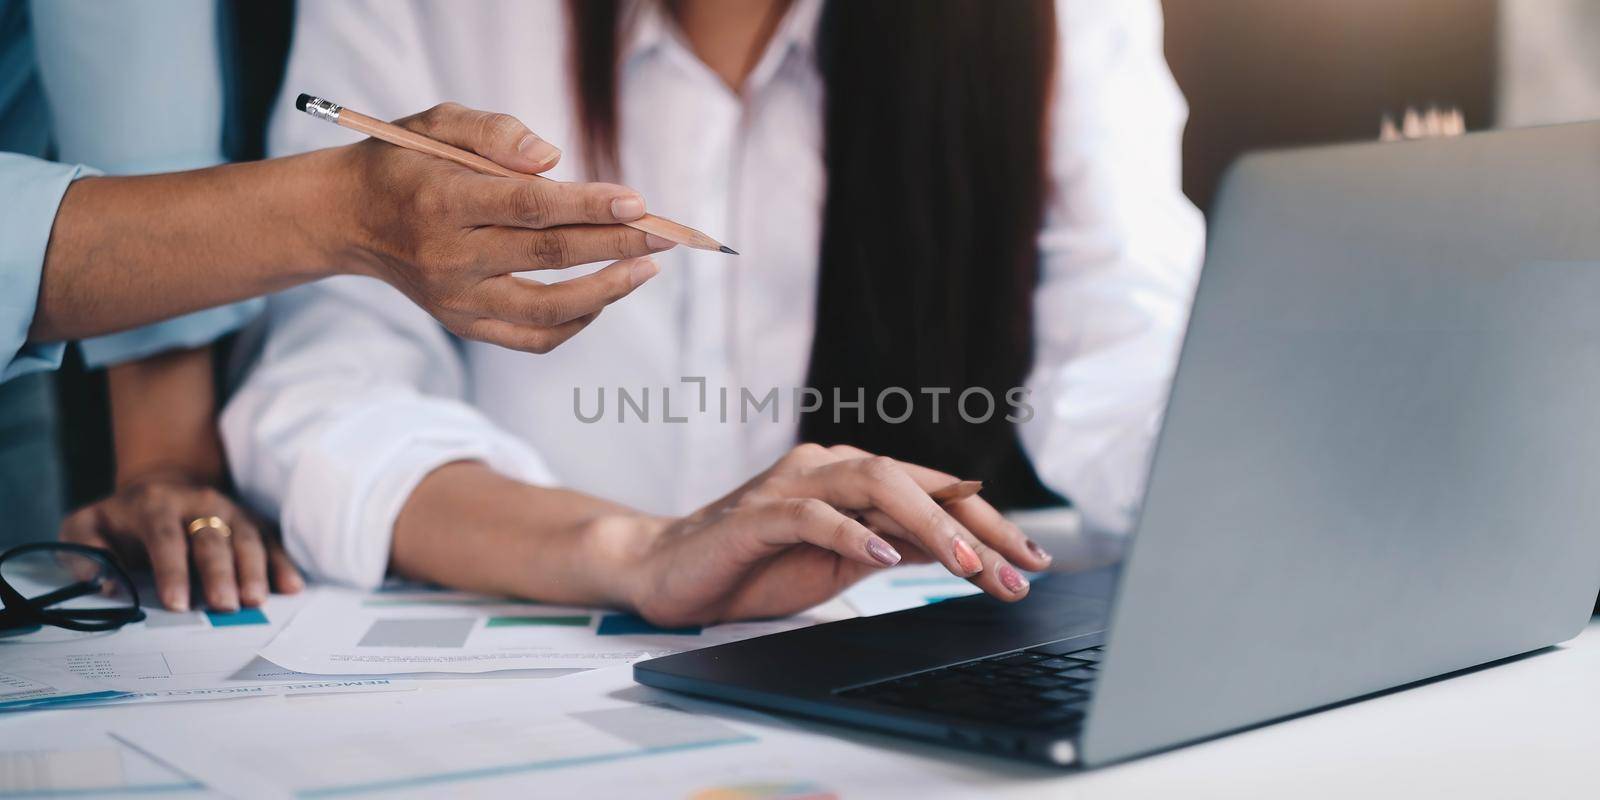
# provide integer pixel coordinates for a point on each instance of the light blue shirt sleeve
(30, 193)
(136, 88)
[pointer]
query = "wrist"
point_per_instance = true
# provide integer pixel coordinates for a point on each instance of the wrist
(133, 475)
(618, 546)
(322, 209)
(469, 527)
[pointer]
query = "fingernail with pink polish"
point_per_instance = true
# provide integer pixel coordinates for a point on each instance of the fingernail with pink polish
(1037, 551)
(967, 558)
(1012, 579)
(882, 552)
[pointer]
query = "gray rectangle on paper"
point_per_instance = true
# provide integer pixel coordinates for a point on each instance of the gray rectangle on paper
(448, 632)
(156, 618)
(652, 727)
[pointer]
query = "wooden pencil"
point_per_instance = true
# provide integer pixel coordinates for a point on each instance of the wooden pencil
(411, 140)
(960, 490)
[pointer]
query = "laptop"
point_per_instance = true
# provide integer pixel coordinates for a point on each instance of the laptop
(1380, 464)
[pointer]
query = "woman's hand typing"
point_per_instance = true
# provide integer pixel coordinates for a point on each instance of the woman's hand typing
(795, 535)
(815, 522)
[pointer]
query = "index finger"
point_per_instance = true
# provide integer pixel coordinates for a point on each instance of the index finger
(893, 493)
(522, 203)
(168, 549)
(501, 138)
(982, 519)
(880, 483)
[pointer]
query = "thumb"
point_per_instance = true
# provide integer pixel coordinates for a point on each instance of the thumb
(501, 138)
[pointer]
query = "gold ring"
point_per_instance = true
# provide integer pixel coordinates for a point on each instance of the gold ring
(209, 524)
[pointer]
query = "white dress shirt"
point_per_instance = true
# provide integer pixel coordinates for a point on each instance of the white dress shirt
(359, 395)
(84, 77)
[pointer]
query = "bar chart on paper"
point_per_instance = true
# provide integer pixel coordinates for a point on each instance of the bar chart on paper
(63, 754)
(766, 791)
(494, 748)
(591, 735)
(344, 632)
(466, 743)
(170, 656)
(83, 770)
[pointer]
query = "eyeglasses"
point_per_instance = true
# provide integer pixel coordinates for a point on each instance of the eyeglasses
(70, 586)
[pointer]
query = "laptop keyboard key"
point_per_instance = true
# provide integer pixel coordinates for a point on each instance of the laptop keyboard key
(1019, 673)
(1038, 689)
(1018, 659)
(1059, 696)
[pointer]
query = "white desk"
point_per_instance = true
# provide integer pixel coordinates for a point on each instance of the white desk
(1525, 729)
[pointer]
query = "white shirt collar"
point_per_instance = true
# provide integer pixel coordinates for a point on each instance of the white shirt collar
(647, 25)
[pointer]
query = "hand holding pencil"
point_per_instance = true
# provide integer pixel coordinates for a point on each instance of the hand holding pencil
(465, 209)
(526, 141)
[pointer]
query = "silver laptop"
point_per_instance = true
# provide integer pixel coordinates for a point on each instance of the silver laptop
(1380, 464)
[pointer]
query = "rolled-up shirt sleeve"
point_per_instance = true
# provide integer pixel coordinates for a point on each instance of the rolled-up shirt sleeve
(188, 331)
(129, 108)
(1121, 251)
(32, 191)
(357, 396)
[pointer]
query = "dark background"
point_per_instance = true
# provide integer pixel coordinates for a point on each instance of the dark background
(1272, 73)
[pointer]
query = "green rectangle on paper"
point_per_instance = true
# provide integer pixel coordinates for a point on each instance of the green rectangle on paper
(513, 622)
(417, 602)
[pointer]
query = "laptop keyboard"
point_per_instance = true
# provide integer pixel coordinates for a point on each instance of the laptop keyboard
(1045, 687)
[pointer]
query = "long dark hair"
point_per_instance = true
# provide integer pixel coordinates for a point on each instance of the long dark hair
(935, 145)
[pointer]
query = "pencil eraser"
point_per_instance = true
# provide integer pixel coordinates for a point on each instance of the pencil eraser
(300, 102)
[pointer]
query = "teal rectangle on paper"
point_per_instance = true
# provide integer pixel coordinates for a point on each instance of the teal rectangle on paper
(63, 700)
(244, 616)
(403, 602)
(574, 621)
(628, 624)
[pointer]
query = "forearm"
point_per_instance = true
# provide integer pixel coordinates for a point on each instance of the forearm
(127, 251)
(468, 527)
(163, 417)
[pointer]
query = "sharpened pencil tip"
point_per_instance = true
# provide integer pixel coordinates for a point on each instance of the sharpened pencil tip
(726, 249)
